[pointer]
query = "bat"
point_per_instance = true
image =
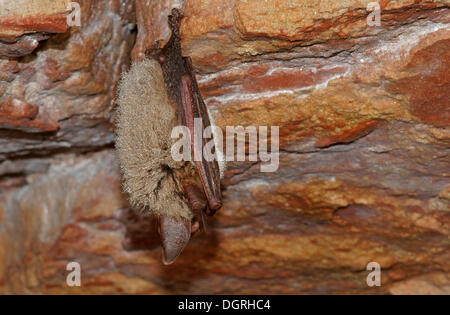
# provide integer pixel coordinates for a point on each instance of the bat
(155, 95)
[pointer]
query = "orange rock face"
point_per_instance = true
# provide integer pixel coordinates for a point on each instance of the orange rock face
(363, 115)
(24, 23)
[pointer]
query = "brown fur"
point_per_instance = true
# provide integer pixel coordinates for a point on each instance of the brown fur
(145, 118)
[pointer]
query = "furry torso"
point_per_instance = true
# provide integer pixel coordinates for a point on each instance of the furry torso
(145, 119)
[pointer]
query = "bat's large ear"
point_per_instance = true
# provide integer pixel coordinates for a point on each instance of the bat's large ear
(175, 234)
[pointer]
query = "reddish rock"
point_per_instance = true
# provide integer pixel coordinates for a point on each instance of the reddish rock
(14, 108)
(23, 24)
(36, 23)
(429, 85)
(17, 114)
(348, 135)
(71, 80)
(363, 166)
(22, 46)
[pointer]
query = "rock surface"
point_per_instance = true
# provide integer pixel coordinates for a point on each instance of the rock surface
(363, 112)
(23, 24)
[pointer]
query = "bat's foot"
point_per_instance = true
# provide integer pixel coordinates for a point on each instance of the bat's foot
(195, 227)
(213, 207)
(175, 234)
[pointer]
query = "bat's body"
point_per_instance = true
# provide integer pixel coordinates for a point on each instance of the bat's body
(156, 95)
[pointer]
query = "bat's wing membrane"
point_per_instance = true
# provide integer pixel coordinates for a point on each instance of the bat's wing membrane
(194, 107)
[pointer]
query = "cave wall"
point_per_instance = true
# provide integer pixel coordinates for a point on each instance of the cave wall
(364, 169)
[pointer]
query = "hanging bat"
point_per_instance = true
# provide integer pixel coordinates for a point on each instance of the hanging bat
(155, 95)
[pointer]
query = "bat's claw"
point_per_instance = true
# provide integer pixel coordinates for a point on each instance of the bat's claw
(175, 235)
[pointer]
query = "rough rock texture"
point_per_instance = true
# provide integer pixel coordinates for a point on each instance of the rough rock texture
(23, 24)
(364, 115)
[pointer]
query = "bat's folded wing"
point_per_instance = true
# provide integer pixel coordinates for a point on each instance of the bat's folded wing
(194, 107)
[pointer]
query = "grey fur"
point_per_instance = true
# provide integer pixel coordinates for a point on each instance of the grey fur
(145, 118)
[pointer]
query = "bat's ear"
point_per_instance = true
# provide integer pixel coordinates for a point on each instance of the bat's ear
(175, 234)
